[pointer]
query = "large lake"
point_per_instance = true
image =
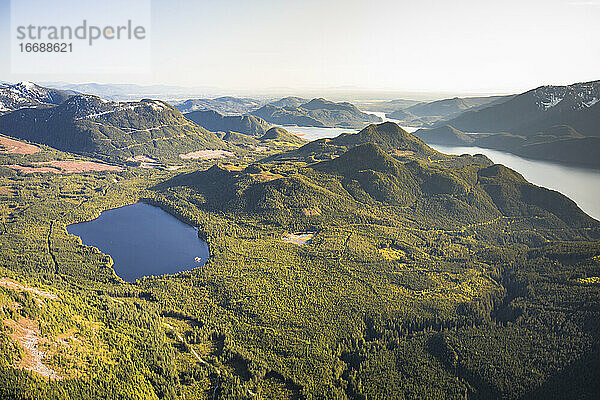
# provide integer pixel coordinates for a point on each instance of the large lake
(143, 240)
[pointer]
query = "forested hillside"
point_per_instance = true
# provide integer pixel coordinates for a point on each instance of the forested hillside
(89, 125)
(378, 269)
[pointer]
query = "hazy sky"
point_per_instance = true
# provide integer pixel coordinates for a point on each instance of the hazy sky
(476, 46)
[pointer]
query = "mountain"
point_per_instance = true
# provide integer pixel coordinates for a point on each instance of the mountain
(446, 135)
(240, 139)
(318, 113)
(559, 143)
(281, 135)
(576, 105)
(226, 105)
(386, 106)
(287, 116)
(369, 173)
(28, 94)
(275, 138)
(216, 122)
(89, 125)
(290, 101)
(387, 136)
(363, 276)
(436, 273)
(405, 116)
(582, 151)
(448, 107)
(431, 112)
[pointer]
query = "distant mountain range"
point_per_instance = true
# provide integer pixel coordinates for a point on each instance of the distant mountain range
(424, 114)
(226, 105)
(576, 105)
(291, 101)
(386, 106)
(559, 123)
(216, 122)
(27, 94)
(128, 92)
(559, 143)
(115, 131)
(318, 113)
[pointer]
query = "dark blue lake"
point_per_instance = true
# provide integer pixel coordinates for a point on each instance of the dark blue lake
(143, 240)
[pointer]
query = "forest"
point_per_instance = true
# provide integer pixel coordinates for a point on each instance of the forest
(426, 276)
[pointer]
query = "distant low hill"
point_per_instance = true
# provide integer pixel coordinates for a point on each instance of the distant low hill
(386, 106)
(226, 105)
(275, 138)
(289, 102)
(430, 112)
(281, 135)
(318, 113)
(28, 94)
(89, 125)
(447, 135)
(216, 122)
(576, 105)
(448, 107)
(559, 143)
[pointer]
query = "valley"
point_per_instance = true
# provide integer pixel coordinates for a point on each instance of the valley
(345, 263)
(313, 200)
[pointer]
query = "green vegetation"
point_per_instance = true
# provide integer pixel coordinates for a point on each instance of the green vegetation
(278, 134)
(428, 276)
(216, 122)
(559, 143)
(114, 131)
(317, 112)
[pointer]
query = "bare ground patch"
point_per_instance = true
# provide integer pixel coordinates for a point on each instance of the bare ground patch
(266, 176)
(14, 285)
(207, 154)
(311, 211)
(31, 170)
(142, 159)
(65, 167)
(81, 166)
(298, 238)
(25, 332)
(11, 146)
(145, 162)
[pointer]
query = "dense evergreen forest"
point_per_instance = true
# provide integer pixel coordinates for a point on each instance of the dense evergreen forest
(426, 276)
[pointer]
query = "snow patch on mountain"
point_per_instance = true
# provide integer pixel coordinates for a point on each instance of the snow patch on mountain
(576, 97)
(28, 94)
(551, 102)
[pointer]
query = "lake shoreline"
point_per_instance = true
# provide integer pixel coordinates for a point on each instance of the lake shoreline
(144, 240)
